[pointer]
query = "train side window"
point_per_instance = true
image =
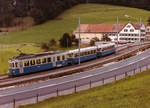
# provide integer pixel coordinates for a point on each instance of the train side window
(58, 58)
(63, 57)
(49, 59)
(38, 61)
(32, 62)
(26, 63)
(43, 60)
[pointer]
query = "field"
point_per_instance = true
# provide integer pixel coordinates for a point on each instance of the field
(66, 22)
(9, 51)
(133, 92)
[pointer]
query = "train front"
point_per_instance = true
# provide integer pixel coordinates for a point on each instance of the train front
(14, 67)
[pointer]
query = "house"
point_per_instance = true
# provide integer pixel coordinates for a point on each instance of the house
(126, 32)
(148, 32)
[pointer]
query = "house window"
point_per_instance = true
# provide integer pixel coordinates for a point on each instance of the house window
(128, 26)
(131, 30)
(125, 30)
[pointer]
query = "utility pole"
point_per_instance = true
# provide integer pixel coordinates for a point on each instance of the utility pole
(117, 29)
(139, 34)
(87, 1)
(79, 41)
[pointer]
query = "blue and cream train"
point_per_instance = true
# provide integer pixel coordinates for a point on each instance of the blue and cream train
(27, 64)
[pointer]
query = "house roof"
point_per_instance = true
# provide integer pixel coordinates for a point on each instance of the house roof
(101, 28)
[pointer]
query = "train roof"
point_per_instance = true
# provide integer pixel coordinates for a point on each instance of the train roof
(91, 48)
(36, 55)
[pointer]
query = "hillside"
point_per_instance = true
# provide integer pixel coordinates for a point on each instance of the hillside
(132, 92)
(68, 21)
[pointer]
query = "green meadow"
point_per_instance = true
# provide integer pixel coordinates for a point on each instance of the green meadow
(66, 22)
(132, 92)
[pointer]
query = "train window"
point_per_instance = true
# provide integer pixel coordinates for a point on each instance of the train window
(43, 60)
(58, 58)
(38, 61)
(26, 63)
(76, 55)
(94, 51)
(88, 52)
(32, 62)
(16, 64)
(70, 55)
(63, 57)
(49, 59)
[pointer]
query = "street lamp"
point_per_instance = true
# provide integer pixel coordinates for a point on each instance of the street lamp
(139, 31)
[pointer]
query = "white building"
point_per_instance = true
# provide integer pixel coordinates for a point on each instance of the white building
(127, 32)
(148, 32)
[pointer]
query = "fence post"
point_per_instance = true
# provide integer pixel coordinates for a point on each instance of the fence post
(115, 77)
(57, 92)
(90, 84)
(103, 81)
(37, 98)
(140, 69)
(14, 103)
(134, 72)
(126, 74)
(75, 88)
(146, 67)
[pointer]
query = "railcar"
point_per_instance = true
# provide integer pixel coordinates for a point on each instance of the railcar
(37, 62)
(28, 64)
(90, 53)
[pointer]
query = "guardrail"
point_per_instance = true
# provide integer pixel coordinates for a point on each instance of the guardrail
(38, 94)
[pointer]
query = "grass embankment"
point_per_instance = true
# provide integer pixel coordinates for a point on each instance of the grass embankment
(66, 22)
(9, 51)
(133, 92)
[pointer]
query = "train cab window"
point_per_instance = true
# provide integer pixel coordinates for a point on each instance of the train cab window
(48, 59)
(63, 57)
(32, 62)
(58, 58)
(38, 61)
(43, 60)
(26, 63)
(16, 64)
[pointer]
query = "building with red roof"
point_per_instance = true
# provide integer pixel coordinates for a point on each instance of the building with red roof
(126, 32)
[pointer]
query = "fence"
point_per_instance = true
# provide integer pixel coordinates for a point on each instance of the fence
(76, 85)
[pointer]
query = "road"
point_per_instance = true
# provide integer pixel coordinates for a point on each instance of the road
(75, 79)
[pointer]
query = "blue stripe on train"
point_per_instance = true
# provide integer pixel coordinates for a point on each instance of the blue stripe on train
(84, 58)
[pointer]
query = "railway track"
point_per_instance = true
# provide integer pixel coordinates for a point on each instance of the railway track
(5, 81)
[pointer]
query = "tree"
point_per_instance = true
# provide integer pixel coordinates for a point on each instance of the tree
(105, 38)
(93, 40)
(149, 20)
(45, 46)
(52, 42)
(65, 41)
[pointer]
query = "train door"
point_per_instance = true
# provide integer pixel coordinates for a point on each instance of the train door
(21, 68)
(54, 62)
